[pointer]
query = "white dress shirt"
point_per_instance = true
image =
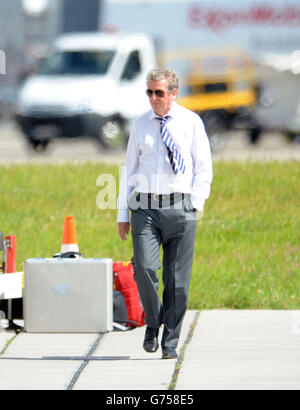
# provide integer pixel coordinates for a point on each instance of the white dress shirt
(147, 168)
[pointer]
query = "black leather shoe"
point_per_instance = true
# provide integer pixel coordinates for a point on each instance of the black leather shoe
(151, 340)
(169, 353)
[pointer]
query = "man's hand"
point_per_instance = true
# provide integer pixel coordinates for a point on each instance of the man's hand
(123, 230)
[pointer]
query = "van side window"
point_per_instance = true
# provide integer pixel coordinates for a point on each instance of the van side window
(132, 67)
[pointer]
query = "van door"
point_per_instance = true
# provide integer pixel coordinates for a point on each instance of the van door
(133, 99)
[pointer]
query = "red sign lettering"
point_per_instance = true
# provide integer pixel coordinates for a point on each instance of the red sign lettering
(218, 19)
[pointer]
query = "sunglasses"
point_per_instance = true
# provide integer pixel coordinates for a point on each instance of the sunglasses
(158, 93)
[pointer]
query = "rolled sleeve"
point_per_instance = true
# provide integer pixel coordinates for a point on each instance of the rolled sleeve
(203, 171)
(123, 215)
(127, 178)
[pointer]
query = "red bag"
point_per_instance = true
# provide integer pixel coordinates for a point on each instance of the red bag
(124, 282)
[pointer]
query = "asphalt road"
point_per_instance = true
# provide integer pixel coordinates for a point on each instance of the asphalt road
(14, 149)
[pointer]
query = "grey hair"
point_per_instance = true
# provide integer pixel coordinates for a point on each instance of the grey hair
(158, 74)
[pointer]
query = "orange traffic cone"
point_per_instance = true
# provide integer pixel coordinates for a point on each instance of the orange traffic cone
(69, 241)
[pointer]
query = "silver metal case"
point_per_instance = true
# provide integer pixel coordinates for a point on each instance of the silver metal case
(68, 295)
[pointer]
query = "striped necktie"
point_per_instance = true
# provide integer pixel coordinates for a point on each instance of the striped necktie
(175, 158)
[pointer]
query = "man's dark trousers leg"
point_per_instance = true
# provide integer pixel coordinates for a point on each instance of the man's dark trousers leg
(174, 229)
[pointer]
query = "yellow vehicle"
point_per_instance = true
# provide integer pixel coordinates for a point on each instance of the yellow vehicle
(221, 86)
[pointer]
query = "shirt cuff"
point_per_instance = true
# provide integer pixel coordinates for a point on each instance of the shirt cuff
(198, 203)
(123, 215)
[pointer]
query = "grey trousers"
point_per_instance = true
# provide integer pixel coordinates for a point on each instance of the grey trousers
(173, 228)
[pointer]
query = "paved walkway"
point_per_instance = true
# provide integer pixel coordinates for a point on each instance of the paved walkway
(218, 350)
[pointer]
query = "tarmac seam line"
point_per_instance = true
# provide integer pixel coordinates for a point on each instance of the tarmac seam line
(8, 343)
(83, 365)
(180, 359)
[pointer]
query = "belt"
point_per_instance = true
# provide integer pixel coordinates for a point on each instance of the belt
(160, 197)
(161, 200)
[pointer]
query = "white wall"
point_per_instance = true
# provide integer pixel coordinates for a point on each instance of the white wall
(259, 25)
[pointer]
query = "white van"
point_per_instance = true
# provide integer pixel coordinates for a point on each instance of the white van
(91, 84)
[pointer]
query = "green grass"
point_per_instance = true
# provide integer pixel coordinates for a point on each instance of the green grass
(247, 253)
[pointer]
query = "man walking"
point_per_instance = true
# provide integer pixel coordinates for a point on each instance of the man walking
(165, 182)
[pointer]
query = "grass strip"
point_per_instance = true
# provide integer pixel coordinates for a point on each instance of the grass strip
(180, 359)
(7, 344)
(247, 250)
(83, 365)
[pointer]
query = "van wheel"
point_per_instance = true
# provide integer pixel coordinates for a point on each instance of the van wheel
(38, 145)
(255, 135)
(112, 134)
(39, 136)
(293, 137)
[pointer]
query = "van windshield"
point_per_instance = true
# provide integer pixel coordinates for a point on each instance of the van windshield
(78, 63)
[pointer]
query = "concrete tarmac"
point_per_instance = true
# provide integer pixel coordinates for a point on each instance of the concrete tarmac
(14, 149)
(218, 350)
